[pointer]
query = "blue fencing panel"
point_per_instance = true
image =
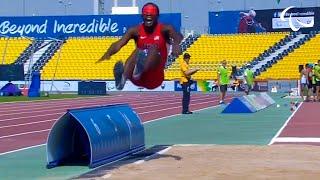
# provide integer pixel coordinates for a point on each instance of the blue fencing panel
(34, 89)
(95, 136)
(65, 26)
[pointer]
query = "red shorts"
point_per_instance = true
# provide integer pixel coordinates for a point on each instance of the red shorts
(150, 79)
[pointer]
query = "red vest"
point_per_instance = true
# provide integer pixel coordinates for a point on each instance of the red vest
(156, 38)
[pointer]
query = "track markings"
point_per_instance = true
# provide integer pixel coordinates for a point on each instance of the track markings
(284, 125)
(298, 139)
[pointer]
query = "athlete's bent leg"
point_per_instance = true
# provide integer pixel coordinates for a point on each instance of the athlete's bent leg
(123, 72)
(146, 61)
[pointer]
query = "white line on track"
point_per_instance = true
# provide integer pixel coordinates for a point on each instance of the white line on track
(63, 110)
(17, 150)
(24, 133)
(158, 110)
(70, 104)
(24, 124)
(284, 125)
(97, 103)
(34, 116)
(53, 101)
(298, 139)
(194, 104)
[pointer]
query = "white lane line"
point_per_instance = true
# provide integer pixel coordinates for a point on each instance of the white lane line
(70, 104)
(175, 102)
(179, 114)
(134, 100)
(148, 102)
(52, 105)
(18, 103)
(103, 101)
(19, 134)
(158, 110)
(11, 119)
(17, 150)
(298, 139)
(60, 113)
(49, 129)
(23, 124)
(284, 125)
(33, 116)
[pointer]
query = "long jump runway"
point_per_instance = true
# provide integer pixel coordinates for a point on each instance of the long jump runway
(302, 127)
(25, 124)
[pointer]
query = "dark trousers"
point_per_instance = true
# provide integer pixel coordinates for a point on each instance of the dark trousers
(186, 97)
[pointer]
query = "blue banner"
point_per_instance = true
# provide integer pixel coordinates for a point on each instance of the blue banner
(302, 19)
(224, 22)
(65, 26)
(178, 87)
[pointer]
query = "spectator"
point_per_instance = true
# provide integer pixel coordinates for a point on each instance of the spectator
(248, 24)
(313, 83)
(223, 80)
(304, 83)
(248, 79)
(185, 82)
(235, 84)
(317, 78)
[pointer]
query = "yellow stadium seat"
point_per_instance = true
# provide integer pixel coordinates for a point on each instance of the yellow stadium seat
(78, 56)
(209, 50)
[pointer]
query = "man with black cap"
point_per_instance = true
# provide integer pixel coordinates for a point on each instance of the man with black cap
(185, 82)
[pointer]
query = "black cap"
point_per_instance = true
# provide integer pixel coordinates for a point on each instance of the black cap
(186, 55)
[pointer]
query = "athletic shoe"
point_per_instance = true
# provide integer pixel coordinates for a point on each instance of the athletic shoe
(118, 70)
(221, 102)
(188, 112)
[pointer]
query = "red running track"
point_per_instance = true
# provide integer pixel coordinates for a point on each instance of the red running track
(25, 124)
(303, 127)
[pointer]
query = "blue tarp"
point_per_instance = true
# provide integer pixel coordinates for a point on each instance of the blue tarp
(10, 90)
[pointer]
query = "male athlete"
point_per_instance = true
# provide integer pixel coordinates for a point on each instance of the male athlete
(145, 66)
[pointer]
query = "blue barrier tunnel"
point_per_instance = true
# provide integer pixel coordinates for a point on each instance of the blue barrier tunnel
(95, 136)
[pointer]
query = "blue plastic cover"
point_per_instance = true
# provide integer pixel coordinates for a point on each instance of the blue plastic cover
(99, 135)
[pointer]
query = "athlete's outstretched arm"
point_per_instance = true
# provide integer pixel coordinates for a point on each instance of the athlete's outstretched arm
(176, 37)
(116, 46)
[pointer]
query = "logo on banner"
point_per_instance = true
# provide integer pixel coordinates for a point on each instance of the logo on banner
(291, 23)
(66, 86)
(178, 87)
(163, 85)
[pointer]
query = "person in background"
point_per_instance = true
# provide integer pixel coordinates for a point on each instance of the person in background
(186, 81)
(235, 84)
(248, 24)
(313, 83)
(304, 83)
(223, 80)
(317, 78)
(248, 79)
